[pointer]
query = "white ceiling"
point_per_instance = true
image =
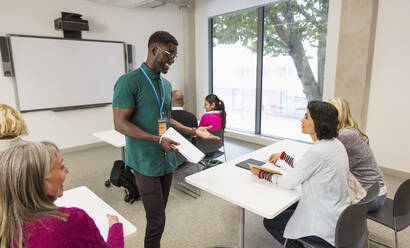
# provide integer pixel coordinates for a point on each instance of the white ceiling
(141, 3)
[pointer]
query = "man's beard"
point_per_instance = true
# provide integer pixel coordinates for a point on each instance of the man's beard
(159, 65)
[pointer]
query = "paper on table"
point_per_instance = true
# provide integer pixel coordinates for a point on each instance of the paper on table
(274, 168)
(82, 197)
(267, 169)
(186, 148)
(282, 164)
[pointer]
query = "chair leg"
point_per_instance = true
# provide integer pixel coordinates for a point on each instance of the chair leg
(396, 243)
(224, 153)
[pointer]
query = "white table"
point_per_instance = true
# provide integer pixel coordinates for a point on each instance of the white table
(240, 187)
(114, 138)
(82, 197)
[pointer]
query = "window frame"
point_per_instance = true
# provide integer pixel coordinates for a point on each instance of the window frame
(259, 69)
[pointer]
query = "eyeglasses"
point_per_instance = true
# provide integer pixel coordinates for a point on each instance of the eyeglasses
(170, 55)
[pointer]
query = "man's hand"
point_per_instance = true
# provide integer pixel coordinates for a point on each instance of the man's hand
(254, 170)
(274, 157)
(169, 145)
(202, 132)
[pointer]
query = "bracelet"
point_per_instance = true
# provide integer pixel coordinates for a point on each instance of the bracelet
(260, 174)
(194, 130)
(282, 155)
(160, 139)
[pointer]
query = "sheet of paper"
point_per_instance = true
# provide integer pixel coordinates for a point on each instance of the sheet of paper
(278, 167)
(282, 164)
(186, 148)
(82, 197)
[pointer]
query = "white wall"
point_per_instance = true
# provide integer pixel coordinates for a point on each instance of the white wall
(388, 122)
(208, 8)
(134, 26)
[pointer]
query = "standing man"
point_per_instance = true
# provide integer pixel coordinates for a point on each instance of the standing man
(141, 108)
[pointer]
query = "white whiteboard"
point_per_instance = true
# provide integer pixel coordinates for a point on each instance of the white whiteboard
(55, 73)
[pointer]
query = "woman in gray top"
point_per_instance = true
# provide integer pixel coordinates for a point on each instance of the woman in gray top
(362, 163)
(322, 171)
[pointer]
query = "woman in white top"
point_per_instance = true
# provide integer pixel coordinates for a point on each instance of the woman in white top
(362, 163)
(322, 171)
(12, 126)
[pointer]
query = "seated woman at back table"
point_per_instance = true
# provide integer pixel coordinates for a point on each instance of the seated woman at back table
(362, 163)
(31, 178)
(215, 115)
(12, 126)
(322, 171)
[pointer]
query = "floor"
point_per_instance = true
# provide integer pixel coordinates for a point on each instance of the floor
(203, 222)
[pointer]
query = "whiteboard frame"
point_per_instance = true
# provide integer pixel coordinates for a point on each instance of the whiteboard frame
(63, 108)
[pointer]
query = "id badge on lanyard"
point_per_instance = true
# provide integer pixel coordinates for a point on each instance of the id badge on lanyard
(162, 125)
(162, 122)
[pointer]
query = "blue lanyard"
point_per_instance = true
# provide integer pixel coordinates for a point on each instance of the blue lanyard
(156, 94)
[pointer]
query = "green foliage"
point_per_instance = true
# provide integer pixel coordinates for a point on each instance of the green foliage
(285, 21)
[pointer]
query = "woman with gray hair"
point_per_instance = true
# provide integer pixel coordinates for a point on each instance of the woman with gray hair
(31, 178)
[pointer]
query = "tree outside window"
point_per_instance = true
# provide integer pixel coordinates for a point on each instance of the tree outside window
(294, 40)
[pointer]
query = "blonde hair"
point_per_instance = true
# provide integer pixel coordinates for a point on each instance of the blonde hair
(345, 117)
(23, 169)
(11, 122)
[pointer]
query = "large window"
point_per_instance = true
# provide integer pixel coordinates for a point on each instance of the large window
(268, 63)
(234, 67)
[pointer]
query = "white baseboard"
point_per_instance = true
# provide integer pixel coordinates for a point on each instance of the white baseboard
(395, 173)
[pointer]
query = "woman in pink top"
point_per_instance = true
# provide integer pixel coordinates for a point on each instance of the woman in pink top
(215, 113)
(31, 178)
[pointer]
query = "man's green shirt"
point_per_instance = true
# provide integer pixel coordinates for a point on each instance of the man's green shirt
(134, 91)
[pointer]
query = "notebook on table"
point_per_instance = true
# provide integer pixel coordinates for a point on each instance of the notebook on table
(245, 164)
(268, 167)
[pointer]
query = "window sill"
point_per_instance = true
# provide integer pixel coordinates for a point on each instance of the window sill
(252, 138)
(255, 138)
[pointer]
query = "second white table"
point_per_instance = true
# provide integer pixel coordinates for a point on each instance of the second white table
(240, 187)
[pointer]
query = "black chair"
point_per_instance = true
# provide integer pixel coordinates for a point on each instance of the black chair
(395, 213)
(211, 148)
(351, 228)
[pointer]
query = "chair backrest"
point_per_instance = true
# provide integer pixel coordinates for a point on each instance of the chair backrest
(372, 193)
(185, 118)
(209, 146)
(401, 205)
(351, 228)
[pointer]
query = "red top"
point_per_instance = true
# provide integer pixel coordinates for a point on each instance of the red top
(77, 232)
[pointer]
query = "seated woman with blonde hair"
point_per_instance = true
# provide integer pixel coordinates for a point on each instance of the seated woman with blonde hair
(362, 163)
(31, 178)
(12, 126)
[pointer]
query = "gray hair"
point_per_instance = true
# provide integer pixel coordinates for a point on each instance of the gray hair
(23, 169)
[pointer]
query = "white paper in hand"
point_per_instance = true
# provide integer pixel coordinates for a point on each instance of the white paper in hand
(282, 164)
(186, 148)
